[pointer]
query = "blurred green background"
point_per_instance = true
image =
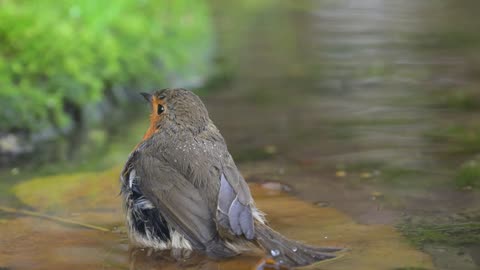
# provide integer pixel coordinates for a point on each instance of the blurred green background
(60, 57)
(369, 107)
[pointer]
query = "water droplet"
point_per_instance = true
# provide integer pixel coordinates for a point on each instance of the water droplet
(275, 252)
(294, 249)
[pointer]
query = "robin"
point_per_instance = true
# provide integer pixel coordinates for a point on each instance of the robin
(183, 191)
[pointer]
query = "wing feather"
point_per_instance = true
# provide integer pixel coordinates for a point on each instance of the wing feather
(240, 219)
(177, 199)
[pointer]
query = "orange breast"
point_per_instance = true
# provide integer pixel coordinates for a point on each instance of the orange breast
(154, 119)
(149, 133)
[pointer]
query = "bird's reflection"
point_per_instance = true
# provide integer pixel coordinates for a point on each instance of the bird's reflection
(148, 259)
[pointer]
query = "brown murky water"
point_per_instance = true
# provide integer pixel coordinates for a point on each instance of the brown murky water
(39, 243)
(365, 110)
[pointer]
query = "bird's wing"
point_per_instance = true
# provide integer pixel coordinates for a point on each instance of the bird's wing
(177, 199)
(235, 203)
(204, 162)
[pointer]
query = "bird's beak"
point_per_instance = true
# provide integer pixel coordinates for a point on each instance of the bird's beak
(147, 96)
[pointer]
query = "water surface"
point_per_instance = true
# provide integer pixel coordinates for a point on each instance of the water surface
(365, 110)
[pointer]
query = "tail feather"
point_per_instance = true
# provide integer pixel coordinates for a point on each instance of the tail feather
(289, 252)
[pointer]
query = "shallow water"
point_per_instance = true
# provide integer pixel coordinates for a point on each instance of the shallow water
(42, 243)
(365, 110)
(370, 106)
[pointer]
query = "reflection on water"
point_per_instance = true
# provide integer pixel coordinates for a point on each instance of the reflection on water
(367, 107)
(371, 105)
(30, 242)
(354, 76)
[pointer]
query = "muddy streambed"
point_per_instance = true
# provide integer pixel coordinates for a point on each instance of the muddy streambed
(355, 123)
(30, 242)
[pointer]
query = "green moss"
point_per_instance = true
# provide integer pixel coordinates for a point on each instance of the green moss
(395, 174)
(70, 191)
(468, 175)
(466, 100)
(460, 139)
(453, 233)
(55, 55)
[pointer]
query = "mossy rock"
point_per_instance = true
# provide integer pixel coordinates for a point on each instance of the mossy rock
(86, 197)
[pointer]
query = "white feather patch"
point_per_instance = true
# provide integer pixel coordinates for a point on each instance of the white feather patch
(178, 241)
(143, 203)
(131, 178)
(258, 215)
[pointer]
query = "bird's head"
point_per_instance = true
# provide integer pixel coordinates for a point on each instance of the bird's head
(178, 108)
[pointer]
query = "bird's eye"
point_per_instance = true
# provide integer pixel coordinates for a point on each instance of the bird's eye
(160, 109)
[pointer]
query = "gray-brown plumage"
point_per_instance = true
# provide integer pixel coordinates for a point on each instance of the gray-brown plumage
(183, 190)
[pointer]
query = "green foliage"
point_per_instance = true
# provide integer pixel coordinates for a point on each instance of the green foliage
(54, 53)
